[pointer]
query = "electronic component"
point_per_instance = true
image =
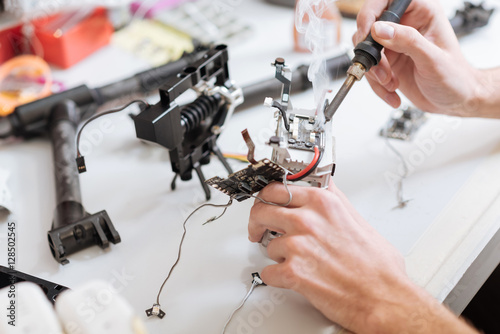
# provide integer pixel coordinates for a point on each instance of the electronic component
(249, 180)
(303, 143)
(404, 123)
(155, 311)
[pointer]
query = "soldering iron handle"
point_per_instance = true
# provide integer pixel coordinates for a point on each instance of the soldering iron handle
(369, 52)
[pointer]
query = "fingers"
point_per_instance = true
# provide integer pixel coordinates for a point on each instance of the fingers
(406, 40)
(276, 193)
(391, 98)
(267, 217)
(368, 14)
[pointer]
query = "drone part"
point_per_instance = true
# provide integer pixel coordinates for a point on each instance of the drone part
(190, 133)
(80, 161)
(73, 229)
(284, 75)
(155, 311)
(303, 134)
(9, 275)
(471, 17)
(309, 169)
(250, 145)
(404, 123)
(225, 206)
(244, 183)
(256, 281)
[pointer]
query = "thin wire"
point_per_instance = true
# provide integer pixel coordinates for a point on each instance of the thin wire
(225, 206)
(399, 192)
(100, 115)
(254, 284)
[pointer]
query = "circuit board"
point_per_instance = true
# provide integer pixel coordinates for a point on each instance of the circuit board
(248, 181)
(302, 134)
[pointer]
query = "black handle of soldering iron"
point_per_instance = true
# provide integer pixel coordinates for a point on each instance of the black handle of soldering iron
(368, 53)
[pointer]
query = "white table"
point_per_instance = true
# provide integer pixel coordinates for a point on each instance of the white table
(454, 187)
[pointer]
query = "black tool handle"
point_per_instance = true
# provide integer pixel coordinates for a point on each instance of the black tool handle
(368, 53)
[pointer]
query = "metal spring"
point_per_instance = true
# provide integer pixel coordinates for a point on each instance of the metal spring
(203, 107)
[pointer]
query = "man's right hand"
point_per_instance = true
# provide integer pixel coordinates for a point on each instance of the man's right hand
(422, 58)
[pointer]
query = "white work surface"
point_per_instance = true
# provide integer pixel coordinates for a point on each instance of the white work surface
(453, 185)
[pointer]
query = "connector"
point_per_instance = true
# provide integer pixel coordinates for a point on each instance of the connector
(257, 280)
(80, 162)
(155, 311)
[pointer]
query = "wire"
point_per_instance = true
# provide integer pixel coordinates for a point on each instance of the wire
(399, 192)
(234, 156)
(225, 206)
(254, 284)
(100, 115)
(310, 168)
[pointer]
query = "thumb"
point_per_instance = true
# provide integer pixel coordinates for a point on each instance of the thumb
(406, 40)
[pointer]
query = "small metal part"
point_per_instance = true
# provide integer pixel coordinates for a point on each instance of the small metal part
(250, 145)
(274, 140)
(155, 311)
(355, 71)
(404, 123)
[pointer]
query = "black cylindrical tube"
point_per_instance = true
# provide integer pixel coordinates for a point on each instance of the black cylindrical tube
(34, 117)
(62, 135)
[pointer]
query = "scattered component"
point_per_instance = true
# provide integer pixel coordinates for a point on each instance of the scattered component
(256, 281)
(31, 313)
(10, 276)
(241, 184)
(156, 310)
(96, 307)
(367, 54)
(73, 229)
(250, 145)
(190, 132)
(404, 123)
(470, 18)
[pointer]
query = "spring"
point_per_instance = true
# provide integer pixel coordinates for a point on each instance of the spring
(200, 109)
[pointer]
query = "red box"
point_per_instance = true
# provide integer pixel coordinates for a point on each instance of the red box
(10, 42)
(66, 48)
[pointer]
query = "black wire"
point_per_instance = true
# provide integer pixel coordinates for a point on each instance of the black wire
(100, 115)
(278, 106)
(313, 168)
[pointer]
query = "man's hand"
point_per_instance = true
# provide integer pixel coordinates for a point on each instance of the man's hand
(333, 257)
(424, 61)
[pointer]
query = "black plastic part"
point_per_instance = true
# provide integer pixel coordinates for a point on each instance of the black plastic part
(257, 275)
(187, 131)
(72, 228)
(368, 53)
(80, 163)
(32, 118)
(10, 276)
(149, 313)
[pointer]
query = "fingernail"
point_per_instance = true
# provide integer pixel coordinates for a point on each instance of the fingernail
(392, 100)
(383, 30)
(380, 74)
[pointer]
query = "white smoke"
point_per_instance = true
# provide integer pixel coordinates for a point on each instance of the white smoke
(317, 37)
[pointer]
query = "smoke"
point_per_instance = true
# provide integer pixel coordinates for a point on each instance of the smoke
(317, 32)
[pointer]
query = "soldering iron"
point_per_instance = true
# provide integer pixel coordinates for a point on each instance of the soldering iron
(367, 54)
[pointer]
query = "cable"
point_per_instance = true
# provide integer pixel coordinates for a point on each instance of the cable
(225, 206)
(79, 158)
(255, 282)
(399, 192)
(310, 168)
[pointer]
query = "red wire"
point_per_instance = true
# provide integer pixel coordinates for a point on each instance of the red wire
(307, 169)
